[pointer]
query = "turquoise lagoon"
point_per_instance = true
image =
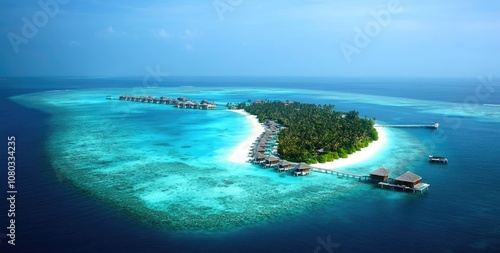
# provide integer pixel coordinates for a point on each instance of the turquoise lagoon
(169, 166)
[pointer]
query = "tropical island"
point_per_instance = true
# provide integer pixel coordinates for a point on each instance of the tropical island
(314, 133)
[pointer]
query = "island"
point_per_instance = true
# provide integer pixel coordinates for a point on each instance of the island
(313, 133)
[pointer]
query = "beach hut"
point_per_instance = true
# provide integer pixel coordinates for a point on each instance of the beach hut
(258, 101)
(380, 174)
(272, 161)
(284, 165)
(408, 179)
(301, 169)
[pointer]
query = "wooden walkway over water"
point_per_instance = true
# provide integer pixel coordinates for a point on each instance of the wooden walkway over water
(420, 187)
(433, 125)
(339, 173)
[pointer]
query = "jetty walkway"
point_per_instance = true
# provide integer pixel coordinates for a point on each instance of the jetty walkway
(432, 125)
(339, 173)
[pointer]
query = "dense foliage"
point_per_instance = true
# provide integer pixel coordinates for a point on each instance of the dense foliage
(315, 133)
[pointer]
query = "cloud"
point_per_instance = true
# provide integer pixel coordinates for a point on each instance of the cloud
(161, 33)
(109, 31)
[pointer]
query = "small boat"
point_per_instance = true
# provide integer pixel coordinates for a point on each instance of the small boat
(438, 159)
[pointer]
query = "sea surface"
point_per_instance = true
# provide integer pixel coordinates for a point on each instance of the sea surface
(97, 175)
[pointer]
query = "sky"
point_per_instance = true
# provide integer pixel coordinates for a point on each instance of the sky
(362, 38)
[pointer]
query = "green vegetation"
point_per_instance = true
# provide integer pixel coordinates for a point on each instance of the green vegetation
(314, 133)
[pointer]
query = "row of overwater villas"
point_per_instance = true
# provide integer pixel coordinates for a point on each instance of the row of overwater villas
(265, 152)
(180, 102)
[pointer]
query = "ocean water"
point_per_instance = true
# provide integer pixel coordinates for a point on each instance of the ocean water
(96, 175)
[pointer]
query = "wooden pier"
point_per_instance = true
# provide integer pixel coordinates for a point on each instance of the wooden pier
(433, 126)
(339, 173)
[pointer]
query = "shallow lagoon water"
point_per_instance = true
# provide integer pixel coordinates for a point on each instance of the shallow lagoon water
(168, 166)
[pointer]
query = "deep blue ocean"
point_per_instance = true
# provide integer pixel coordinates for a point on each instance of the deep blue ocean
(460, 212)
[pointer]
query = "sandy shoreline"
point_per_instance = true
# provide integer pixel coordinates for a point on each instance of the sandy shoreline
(240, 154)
(359, 156)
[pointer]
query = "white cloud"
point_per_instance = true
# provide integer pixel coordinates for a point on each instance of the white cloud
(109, 31)
(161, 33)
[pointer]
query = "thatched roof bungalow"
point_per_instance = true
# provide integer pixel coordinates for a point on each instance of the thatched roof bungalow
(380, 174)
(301, 169)
(272, 161)
(284, 165)
(408, 179)
(259, 158)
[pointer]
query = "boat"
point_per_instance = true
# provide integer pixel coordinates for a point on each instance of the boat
(438, 159)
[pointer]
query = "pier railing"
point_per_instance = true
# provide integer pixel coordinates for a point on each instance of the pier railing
(340, 173)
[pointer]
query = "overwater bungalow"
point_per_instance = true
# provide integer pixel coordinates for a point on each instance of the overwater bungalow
(259, 158)
(380, 174)
(262, 144)
(188, 105)
(301, 169)
(207, 106)
(284, 165)
(408, 179)
(272, 161)
(260, 150)
(182, 99)
(180, 104)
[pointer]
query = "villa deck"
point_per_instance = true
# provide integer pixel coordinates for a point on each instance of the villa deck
(421, 187)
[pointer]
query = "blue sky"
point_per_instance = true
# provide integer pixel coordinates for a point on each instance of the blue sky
(251, 38)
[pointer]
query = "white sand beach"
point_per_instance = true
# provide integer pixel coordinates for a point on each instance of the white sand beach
(240, 154)
(359, 156)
